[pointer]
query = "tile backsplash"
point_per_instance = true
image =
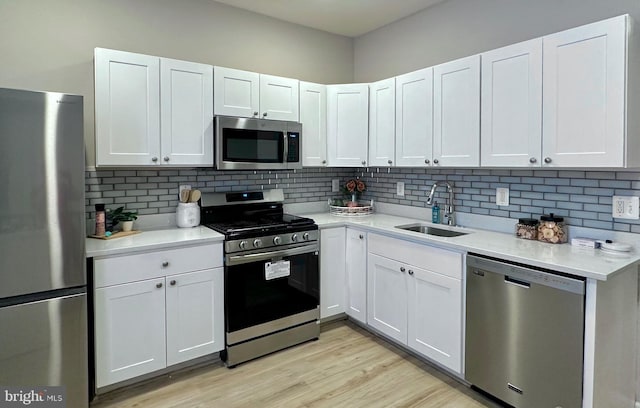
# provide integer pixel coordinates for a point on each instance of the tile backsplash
(156, 191)
(583, 197)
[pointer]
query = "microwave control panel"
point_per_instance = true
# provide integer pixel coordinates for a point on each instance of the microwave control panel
(293, 152)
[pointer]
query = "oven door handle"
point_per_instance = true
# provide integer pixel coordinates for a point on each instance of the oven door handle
(263, 256)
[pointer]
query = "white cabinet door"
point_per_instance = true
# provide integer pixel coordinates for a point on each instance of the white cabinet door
(456, 110)
(435, 317)
(414, 118)
(279, 98)
(347, 125)
(584, 95)
(382, 122)
(236, 92)
(332, 272)
(511, 134)
(127, 102)
(356, 271)
(129, 330)
(313, 116)
(387, 297)
(186, 113)
(195, 314)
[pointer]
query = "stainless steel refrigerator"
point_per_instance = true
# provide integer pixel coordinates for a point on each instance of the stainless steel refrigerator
(43, 306)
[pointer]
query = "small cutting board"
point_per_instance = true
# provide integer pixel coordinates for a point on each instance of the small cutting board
(118, 234)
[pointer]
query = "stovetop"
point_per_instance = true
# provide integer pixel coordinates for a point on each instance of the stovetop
(254, 226)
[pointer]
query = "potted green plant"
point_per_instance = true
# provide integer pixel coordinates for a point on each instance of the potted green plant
(126, 218)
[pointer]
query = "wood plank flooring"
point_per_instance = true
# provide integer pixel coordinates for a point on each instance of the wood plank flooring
(347, 367)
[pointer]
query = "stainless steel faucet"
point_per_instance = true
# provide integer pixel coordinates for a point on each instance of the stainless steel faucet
(448, 213)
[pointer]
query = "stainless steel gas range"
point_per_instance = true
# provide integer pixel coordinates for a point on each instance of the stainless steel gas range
(272, 281)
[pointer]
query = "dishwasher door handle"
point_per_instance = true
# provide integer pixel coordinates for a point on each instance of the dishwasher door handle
(517, 282)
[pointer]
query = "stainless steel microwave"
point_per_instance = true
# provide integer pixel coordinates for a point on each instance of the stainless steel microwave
(257, 144)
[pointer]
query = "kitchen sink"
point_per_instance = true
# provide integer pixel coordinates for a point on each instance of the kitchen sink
(430, 230)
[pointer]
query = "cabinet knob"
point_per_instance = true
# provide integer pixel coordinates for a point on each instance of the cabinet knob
(159, 285)
(166, 158)
(427, 161)
(264, 115)
(533, 160)
(324, 162)
(410, 272)
(547, 159)
(173, 282)
(255, 113)
(402, 269)
(390, 161)
(364, 162)
(165, 264)
(436, 161)
(361, 236)
(154, 159)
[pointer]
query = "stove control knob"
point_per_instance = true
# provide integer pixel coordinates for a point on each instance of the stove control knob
(294, 238)
(305, 236)
(257, 243)
(242, 244)
(276, 240)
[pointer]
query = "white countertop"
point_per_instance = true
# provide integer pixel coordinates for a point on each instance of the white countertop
(151, 240)
(586, 262)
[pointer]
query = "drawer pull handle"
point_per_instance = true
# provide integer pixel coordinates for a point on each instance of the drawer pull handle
(173, 282)
(158, 285)
(165, 264)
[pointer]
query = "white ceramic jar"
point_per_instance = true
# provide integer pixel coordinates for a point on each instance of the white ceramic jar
(188, 215)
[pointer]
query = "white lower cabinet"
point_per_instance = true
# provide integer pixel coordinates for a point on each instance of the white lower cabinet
(332, 272)
(356, 273)
(156, 309)
(414, 296)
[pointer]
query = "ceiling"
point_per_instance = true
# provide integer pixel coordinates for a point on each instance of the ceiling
(350, 18)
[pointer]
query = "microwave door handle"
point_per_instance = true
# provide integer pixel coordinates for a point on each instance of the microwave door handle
(285, 159)
(264, 256)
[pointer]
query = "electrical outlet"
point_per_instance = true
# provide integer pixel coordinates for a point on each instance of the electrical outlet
(625, 207)
(335, 185)
(400, 188)
(502, 196)
(183, 187)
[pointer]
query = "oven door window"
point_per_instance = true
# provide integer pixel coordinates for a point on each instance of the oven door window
(252, 146)
(252, 299)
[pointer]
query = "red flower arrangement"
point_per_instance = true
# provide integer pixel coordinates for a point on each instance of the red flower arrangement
(353, 188)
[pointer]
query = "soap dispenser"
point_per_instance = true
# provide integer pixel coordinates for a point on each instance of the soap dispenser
(435, 213)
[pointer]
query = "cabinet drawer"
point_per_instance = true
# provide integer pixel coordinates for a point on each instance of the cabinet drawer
(131, 268)
(438, 260)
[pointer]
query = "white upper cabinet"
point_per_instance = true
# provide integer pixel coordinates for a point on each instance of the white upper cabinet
(313, 116)
(127, 103)
(584, 95)
(186, 112)
(249, 94)
(511, 122)
(279, 98)
(382, 122)
(456, 109)
(347, 125)
(236, 92)
(414, 118)
(152, 111)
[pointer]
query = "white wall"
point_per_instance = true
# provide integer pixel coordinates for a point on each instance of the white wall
(459, 28)
(48, 45)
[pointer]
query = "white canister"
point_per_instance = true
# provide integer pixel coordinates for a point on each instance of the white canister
(188, 215)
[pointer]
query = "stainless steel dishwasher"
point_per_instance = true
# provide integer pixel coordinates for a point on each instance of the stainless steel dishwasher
(524, 334)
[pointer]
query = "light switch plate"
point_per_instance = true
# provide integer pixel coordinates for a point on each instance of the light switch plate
(183, 187)
(400, 188)
(335, 185)
(502, 196)
(625, 207)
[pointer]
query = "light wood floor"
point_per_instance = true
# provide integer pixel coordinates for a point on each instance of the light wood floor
(347, 367)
